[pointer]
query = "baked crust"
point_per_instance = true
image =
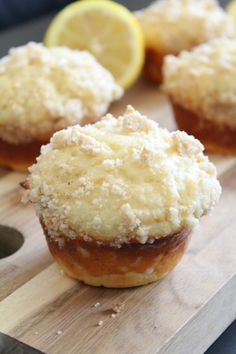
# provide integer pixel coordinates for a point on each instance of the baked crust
(216, 137)
(129, 265)
(19, 156)
(153, 65)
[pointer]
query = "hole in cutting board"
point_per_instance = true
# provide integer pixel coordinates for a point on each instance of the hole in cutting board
(11, 241)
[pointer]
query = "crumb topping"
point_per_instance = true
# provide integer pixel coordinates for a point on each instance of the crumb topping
(119, 307)
(204, 80)
(135, 182)
(97, 304)
(47, 89)
(173, 25)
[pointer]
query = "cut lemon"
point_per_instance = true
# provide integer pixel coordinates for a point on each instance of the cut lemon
(107, 30)
(231, 9)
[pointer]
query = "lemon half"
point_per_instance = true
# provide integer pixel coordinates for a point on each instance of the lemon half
(231, 10)
(107, 30)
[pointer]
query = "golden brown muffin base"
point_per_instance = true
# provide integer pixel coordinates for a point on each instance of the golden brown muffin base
(19, 156)
(153, 65)
(216, 137)
(130, 265)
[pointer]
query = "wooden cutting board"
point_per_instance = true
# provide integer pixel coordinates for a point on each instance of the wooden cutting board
(184, 313)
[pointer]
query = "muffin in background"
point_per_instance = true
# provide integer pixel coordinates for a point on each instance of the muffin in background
(171, 26)
(201, 85)
(118, 199)
(44, 90)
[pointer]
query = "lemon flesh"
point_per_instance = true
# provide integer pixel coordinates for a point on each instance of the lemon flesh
(107, 30)
(231, 10)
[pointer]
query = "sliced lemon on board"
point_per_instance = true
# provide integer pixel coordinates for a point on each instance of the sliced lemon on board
(107, 30)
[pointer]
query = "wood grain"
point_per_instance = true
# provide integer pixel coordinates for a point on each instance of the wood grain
(56, 314)
(33, 256)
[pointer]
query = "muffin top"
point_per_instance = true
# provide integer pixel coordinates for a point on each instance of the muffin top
(47, 89)
(121, 180)
(173, 25)
(204, 80)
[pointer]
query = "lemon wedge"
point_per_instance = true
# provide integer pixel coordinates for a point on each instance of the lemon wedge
(107, 30)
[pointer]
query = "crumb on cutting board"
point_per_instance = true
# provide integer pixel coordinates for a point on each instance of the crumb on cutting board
(118, 307)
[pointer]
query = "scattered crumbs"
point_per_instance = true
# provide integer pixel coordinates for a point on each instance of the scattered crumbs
(113, 315)
(100, 323)
(117, 308)
(97, 304)
(59, 332)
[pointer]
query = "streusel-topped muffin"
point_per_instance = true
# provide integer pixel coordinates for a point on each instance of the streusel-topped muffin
(202, 88)
(171, 26)
(118, 199)
(44, 90)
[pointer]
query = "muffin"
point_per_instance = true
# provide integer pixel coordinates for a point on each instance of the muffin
(44, 90)
(202, 88)
(118, 200)
(171, 26)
